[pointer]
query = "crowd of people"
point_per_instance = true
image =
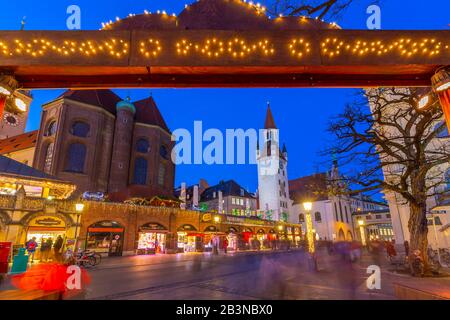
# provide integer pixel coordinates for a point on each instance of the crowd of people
(49, 250)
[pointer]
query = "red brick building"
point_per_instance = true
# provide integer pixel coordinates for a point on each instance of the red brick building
(104, 144)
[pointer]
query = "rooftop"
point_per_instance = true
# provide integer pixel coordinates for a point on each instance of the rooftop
(20, 142)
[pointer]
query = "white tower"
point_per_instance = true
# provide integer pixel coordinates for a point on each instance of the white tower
(273, 182)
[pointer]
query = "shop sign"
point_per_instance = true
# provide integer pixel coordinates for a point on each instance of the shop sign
(211, 229)
(152, 226)
(48, 222)
(247, 221)
(186, 227)
(206, 217)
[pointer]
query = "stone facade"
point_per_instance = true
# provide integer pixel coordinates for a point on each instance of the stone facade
(110, 144)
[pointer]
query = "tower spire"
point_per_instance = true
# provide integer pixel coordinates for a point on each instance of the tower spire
(270, 122)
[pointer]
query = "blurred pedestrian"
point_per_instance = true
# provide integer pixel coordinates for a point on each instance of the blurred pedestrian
(406, 245)
(225, 245)
(57, 249)
(31, 247)
(44, 250)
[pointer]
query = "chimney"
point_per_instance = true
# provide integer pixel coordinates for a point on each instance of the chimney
(195, 197)
(183, 196)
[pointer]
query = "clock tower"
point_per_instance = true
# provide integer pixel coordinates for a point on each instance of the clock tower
(273, 187)
(13, 124)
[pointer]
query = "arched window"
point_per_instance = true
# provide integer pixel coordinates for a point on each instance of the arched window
(301, 218)
(48, 157)
(163, 152)
(51, 129)
(76, 158)
(140, 171)
(143, 146)
(318, 217)
(80, 129)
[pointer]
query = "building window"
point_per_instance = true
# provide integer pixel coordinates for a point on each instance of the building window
(388, 216)
(51, 129)
(163, 152)
(140, 171)
(49, 157)
(318, 216)
(161, 175)
(143, 146)
(346, 214)
(340, 211)
(378, 216)
(80, 129)
(301, 218)
(335, 212)
(76, 158)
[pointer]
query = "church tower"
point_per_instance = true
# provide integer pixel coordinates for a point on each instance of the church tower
(273, 187)
(14, 124)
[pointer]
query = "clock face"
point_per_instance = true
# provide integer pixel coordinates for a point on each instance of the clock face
(11, 119)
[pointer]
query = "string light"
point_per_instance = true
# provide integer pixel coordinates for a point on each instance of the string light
(235, 47)
(299, 47)
(405, 47)
(154, 51)
(41, 47)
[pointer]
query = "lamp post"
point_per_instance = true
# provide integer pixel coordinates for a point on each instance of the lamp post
(361, 230)
(309, 233)
(79, 207)
(215, 244)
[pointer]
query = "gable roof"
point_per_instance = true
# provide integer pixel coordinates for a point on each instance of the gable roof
(228, 188)
(103, 98)
(147, 112)
(20, 142)
(309, 188)
(12, 167)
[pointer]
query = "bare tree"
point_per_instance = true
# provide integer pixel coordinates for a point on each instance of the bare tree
(320, 8)
(394, 147)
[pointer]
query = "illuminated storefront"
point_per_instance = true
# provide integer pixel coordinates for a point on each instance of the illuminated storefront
(105, 237)
(45, 228)
(152, 238)
(189, 240)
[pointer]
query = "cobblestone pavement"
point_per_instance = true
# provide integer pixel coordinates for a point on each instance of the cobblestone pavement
(248, 275)
(266, 275)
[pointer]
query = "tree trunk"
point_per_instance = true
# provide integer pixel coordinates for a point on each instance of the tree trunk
(418, 230)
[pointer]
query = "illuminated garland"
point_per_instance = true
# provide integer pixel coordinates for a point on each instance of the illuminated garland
(217, 47)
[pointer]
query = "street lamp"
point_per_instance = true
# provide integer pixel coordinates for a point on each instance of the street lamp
(309, 227)
(215, 244)
(79, 207)
(361, 230)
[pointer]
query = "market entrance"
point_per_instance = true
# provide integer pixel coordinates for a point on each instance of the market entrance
(46, 230)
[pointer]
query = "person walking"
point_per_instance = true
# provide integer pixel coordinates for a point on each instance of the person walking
(49, 244)
(225, 245)
(57, 249)
(44, 250)
(31, 246)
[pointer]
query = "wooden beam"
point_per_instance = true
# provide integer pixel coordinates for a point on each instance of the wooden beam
(216, 58)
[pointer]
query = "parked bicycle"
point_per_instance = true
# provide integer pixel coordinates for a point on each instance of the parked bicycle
(82, 258)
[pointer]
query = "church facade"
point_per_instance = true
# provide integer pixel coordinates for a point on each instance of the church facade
(104, 144)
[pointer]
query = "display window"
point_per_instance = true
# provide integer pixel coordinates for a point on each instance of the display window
(190, 242)
(105, 237)
(152, 238)
(42, 235)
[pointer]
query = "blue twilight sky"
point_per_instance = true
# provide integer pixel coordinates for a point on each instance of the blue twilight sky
(300, 114)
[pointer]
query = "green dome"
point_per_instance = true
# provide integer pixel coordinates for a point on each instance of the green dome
(125, 104)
